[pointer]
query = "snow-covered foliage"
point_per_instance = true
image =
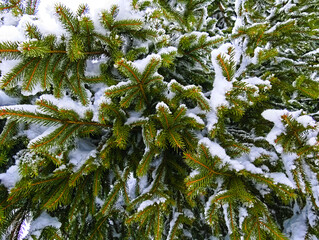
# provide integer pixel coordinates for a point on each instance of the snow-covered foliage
(159, 119)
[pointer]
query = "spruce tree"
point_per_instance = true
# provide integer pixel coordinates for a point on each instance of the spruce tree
(200, 123)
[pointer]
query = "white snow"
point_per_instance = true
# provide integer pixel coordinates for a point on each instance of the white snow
(306, 120)
(167, 50)
(279, 177)
(188, 213)
(215, 149)
(13, 33)
(6, 66)
(131, 185)
(134, 117)
(244, 163)
(296, 227)
(220, 88)
(257, 81)
(35, 130)
(10, 177)
(67, 103)
(36, 138)
(162, 105)
(172, 223)
(93, 66)
(196, 118)
(242, 215)
(7, 100)
(84, 150)
(24, 229)
(29, 108)
(43, 221)
(47, 18)
(275, 116)
(312, 141)
(148, 203)
(142, 63)
(312, 52)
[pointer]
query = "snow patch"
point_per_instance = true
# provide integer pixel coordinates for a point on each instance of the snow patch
(44, 220)
(7, 100)
(78, 156)
(148, 203)
(11, 177)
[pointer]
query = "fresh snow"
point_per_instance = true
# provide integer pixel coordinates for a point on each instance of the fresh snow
(142, 63)
(172, 223)
(79, 155)
(46, 20)
(215, 149)
(148, 203)
(220, 88)
(67, 103)
(6, 66)
(44, 220)
(10, 177)
(7, 100)
(257, 81)
(13, 33)
(35, 131)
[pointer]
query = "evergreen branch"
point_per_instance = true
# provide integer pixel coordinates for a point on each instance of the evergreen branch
(130, 70)
(144, 164)
(106, 208)
(200, 179)
(14, 5)
(270, 183)
(158, 179)
(176, 140)
(15, 72)
(158, 224)
(151, 68)
(224, 66)
(9, 50)
(98, 227)
(66, 17)
(121, 89)
(67, 136)
(164, 110)
(46, 119)
(208, 44)
(128, 25)
(7, 131)
(54, 159)
(48, 107)
(14, 193)
(32, 74)
(45, 141)
(199, 61)
(125, 102)
(83, 99)
(190, 157)
(174, 228)
(59, 80)
(87, 167)
(96, 186)
(56, 196)
(45, 74)
(154, 79)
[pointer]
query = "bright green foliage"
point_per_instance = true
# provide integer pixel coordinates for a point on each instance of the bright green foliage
(200, 123)
(18, 7)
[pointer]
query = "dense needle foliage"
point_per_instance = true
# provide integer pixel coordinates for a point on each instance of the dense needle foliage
(201, 122)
